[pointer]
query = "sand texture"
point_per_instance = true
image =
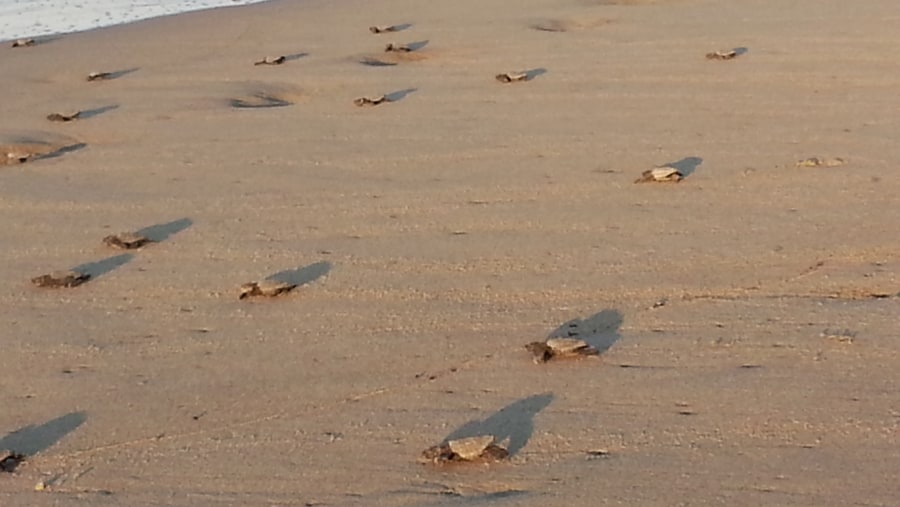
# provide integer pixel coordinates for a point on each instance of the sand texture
(746, 315)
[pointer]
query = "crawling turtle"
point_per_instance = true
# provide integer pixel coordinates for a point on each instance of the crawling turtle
(64, 117)
(560, 347)
(722, 55)
(382, 29)
(17, 157)
(820, 162)
(99, 76)
(471, 449)
(59, 279)
(374, 101)
(511, 77)
(397, 48)
(126, 240)
(660, 175)
(267, 288)
(9, 461)
(271, 60)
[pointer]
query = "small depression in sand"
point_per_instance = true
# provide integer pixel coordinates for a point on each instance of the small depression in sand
(265, 95)
(567, 25)
(22, 147)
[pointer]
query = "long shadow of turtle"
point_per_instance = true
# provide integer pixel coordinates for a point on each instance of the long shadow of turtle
(514, 422)
(31, 439)
(600, 330)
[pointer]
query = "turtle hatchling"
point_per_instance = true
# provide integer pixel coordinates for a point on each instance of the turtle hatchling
(511, 77)
(99, 76)
(267, 288)
(560, 347)
(59, 279)
(383, 29)
(64, 117)
(660, 175)
(373, 101)
(820, 162)
(471, 449)
(9, 461)
(271, 60)
(126, 240)
(722, 55)
(397, 48)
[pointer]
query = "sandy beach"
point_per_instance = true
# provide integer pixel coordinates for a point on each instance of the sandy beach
(747, 315)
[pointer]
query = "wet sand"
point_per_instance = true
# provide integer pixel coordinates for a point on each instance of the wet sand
(747, 314)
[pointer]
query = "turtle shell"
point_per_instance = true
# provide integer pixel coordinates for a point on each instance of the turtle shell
(510, 77)
(126, 240)
(470, 448)
(99, 76)
(61, 279)
(9, 461)
(665, 174)
(566, 345)
(270, 287)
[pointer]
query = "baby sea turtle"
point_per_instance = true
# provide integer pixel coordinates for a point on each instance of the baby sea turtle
(271, 60)
(558, 348)
(267, 288)
(58, 279)
(722, 55)
(17, 157)
(471, 449)
(367, 101)
(821, 162)
(9, 461)
(397, 48)
(99, 76)
(511, 77)
(64, 116)
(382, 29)
(126, 240)
(660, 174)
(23, 43)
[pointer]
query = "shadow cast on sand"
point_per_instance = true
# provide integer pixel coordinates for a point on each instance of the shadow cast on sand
(417, 45)
(295, 56)
(375, 62)
(533, 73)
(99, 268)
(302, 275)
(685, 166)
(119, 73)
(61, 151)
(399, 94)
(600, 330)
(514, 422)
(259, 100)
(32, 439)
(401, 27)
(161, 232)
(97, 111)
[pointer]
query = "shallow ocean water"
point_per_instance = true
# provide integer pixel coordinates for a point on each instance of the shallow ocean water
(31, 18)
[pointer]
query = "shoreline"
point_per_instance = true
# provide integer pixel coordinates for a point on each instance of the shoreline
(56, 19)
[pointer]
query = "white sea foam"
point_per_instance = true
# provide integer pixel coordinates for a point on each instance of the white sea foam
(30, 18)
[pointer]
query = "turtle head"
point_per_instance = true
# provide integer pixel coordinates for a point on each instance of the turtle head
(249, 289)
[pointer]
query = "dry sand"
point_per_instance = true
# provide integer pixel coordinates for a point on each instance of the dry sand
(437, 234)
